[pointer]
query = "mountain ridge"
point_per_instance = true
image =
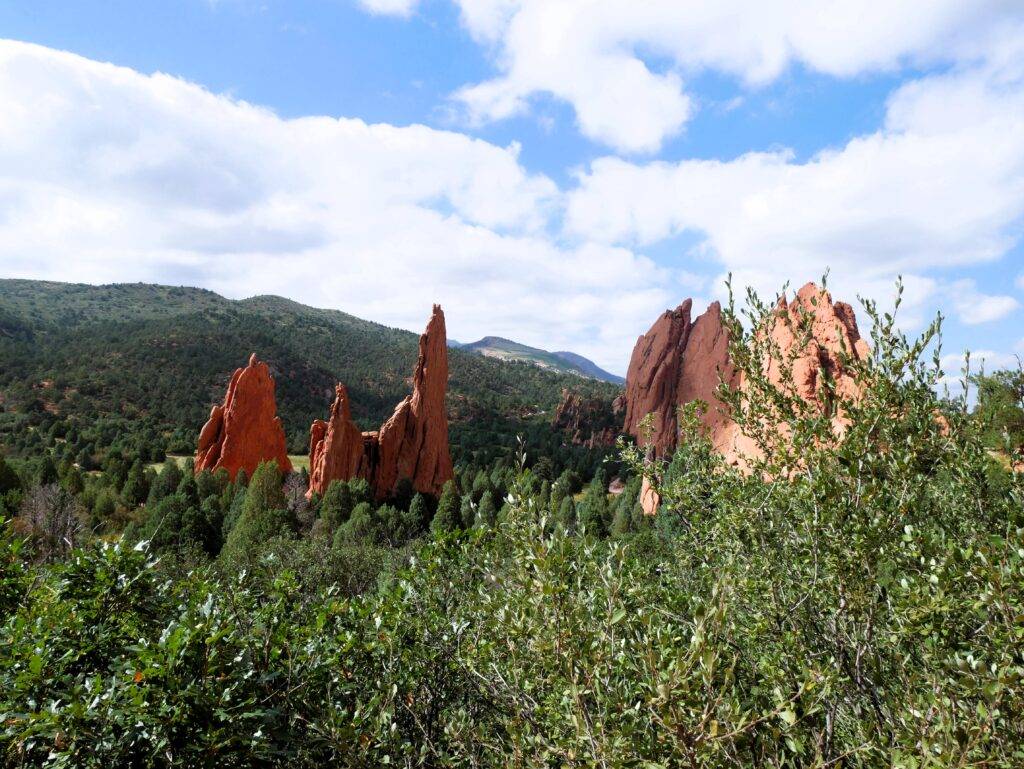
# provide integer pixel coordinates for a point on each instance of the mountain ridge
(163, 355)
(503, 348)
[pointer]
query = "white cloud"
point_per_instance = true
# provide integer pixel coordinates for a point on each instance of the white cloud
(987, 360)
(974, 307)
(109, 175)
(622, 64)
(941, 185)
(390, 7)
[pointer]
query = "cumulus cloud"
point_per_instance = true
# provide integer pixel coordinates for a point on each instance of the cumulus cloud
(940, 185)
(622, 64)
(110, 175)
(974, 307)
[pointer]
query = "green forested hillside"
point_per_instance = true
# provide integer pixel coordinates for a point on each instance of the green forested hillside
(159, 357)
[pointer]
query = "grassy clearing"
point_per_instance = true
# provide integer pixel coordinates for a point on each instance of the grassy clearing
(299, 461)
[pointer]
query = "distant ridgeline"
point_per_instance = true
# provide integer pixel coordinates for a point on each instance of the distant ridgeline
(566, 362)
(160, 356)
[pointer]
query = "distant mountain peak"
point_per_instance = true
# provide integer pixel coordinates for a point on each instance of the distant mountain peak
(564, 361)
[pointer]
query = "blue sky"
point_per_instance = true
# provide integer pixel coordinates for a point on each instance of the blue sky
(557, 172)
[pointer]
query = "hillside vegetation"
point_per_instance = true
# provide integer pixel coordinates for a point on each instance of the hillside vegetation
(160, 356)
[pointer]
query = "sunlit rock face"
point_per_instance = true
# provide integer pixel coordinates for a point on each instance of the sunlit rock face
(676, 362)
(679, 361)
(412, 444)
(244, 430)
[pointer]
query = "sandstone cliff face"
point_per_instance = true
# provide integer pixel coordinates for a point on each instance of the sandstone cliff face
(335, 446)
(674, 363)
(589, 422)
(812, 352)
(412, 444)
(677, 362)
(414, 441)
(245, 430)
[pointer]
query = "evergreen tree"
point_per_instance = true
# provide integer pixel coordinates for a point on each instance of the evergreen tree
(9, 479)
(361, 526)
(207, 485)
(593, 513)
(264, 514)
(622, 523)
(135, 489)
(360, 491)
(448, 516)
(188, 489)
(232, 512)
(46, 473)
(105, 506)
(419, 511)
(544, 496)
(467, 512)
(481, 485)
(166, 482)
(567, 514)
(73, 481)
(337, 505)
(486, 513)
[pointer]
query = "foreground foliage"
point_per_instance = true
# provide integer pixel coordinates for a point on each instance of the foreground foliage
(853, 602)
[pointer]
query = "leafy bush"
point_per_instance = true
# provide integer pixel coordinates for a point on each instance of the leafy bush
(852, 599)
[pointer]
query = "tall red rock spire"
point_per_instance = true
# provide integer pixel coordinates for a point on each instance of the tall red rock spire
(335, 446)
(245, 430)
(414, 441)
(412, 444)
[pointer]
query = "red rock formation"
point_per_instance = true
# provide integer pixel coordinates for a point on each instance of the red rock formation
(414, 441)
(335, 446)
(676, 362)
(811, 334)
(412, 444)
(245, 430)
(586, 422)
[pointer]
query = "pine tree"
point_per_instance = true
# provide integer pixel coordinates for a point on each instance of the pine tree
(337, 505)
(419, 511)
(135, 489)
(188, 489)
(567, 514)
(467, 512)
(361, 526)
(9, 479)
(622, 523)
(166, 482)
(105, 506)
(74, 483)
(47, 471)
(486, 512)
(264, 514)
(593, 513)
(448, 516)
